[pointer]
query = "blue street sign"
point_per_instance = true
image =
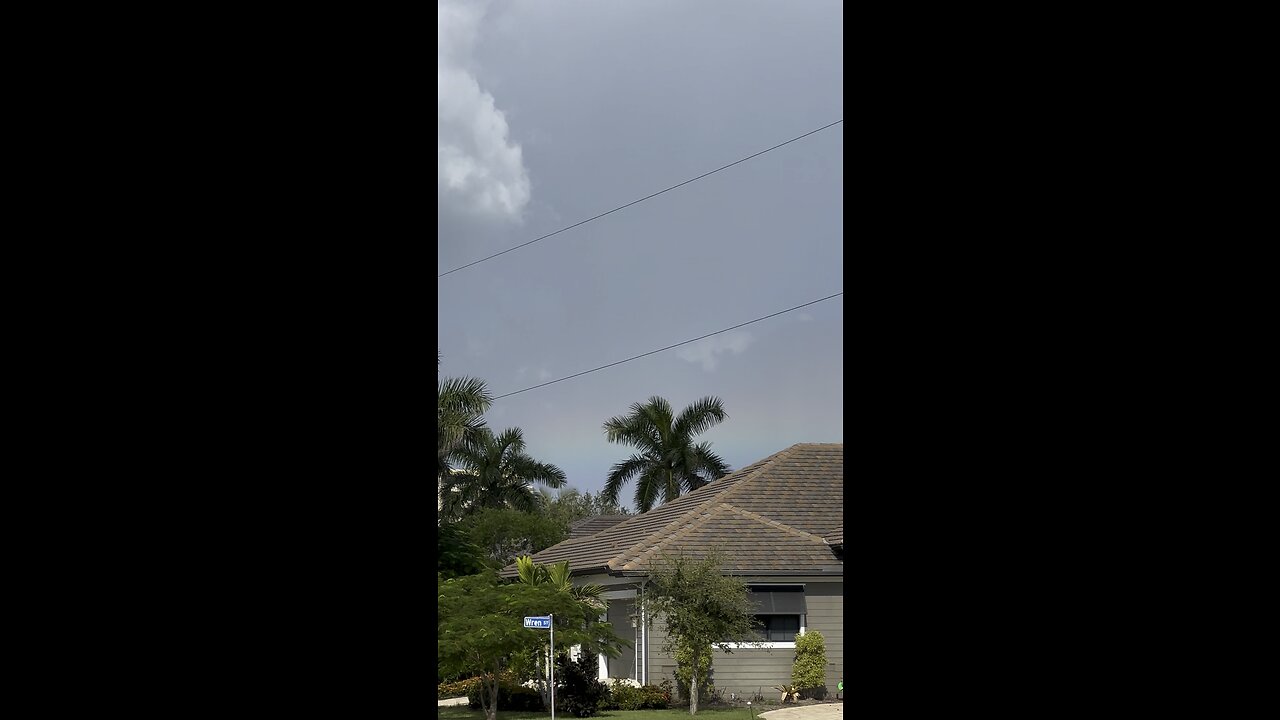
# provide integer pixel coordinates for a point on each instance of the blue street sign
(541, 623)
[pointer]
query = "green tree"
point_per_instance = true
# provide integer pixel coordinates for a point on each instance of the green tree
(702, 608)
(556, 576)
(503, 534)
(669, 462)
(572, 505)
(480, 627)
(460, 407)
(809, 674)
(495, 472)
(456, 554)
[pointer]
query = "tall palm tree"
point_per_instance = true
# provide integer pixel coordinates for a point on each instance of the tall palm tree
(669, 462)
(460, 407)
(495, 471)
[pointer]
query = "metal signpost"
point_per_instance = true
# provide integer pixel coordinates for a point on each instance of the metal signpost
(547, 622)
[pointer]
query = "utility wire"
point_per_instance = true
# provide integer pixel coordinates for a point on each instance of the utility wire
(633, 202)
(651, 352)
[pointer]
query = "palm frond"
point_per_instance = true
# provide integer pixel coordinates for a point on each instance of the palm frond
(619, 474)
(668, 462)
(710, 465)
(701, 416)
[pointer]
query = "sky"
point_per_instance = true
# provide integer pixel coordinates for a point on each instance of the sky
(550, 112)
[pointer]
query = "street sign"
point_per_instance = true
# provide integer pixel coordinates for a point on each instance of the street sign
(543, 622)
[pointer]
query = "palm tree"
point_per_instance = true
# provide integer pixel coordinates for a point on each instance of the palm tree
(557, 576)
(669, 462)
(494, 471)
(460, 407)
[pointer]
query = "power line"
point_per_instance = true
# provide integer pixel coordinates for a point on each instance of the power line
(633, 202)
(651, 352)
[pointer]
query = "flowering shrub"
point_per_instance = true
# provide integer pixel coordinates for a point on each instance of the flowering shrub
(457, 689)
(511, 694)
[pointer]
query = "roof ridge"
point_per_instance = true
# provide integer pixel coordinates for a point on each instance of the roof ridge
(723, 497)
(774, 523)
(666, 542)
(596, 517)
(634, 539)
(695, 504)
(694, 507)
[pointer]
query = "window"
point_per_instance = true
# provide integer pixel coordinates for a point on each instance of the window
(779, 628)
(780, 612)
(778, 599)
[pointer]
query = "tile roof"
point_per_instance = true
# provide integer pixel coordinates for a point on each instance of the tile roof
(593, 525)
(771, 516)
(835, 537)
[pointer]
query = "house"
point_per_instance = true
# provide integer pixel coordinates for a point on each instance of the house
(779, 525)
(593, 525)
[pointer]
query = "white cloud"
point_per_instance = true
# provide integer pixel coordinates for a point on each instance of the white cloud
(479, 170)
(705, 351)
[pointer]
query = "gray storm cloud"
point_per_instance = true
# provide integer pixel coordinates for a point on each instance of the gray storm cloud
(479, 170)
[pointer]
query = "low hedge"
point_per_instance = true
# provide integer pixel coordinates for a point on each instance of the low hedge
(510, 697)
(511, 694)
(456, 689)
(648, 697)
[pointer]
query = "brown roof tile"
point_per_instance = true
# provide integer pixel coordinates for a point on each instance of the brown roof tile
(593, 525)
(835, 537)
(772, 515)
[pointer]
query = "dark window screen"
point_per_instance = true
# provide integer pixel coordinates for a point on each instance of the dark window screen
(778, 599)
(779, 628)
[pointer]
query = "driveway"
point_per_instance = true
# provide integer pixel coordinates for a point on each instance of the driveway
(826, 711)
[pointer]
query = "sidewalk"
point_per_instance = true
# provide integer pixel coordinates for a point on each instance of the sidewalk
(829, 711)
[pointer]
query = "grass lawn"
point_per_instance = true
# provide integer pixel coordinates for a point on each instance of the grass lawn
(465, 713)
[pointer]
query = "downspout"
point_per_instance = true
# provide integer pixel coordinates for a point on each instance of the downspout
(644, 636)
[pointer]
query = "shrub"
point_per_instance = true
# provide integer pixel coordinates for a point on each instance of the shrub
(511, 694)
(809, 674)
(656, 697)
(457, 689)
(625, 697)
(578, 691)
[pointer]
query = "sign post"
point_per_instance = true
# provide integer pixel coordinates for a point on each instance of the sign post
(552, 627)
(539, 622)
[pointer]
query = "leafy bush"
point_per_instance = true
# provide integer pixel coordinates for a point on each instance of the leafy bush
(625, 697)
(684, 672)
(578, 691)
(657, 697)
(629, 697)
(511, 694)
(457, 689)
(809, 673)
